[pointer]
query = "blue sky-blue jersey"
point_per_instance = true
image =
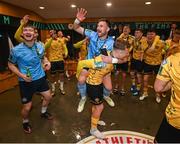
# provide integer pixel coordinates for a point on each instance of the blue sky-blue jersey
(96, 43)
(28, 58)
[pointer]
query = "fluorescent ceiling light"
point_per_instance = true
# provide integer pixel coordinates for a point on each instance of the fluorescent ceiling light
(41, 7)
(73, 5)
(148, 3)
(108, 4)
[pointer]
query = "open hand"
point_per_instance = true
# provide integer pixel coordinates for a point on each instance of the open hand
(25, 19)
(81, 14)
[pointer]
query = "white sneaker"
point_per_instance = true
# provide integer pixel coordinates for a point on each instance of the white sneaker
(109, 101)
(81, 105)
(97, 134)
(62, 92)
(164, 95)
(143, 97)
(158, 99)
(101, 123)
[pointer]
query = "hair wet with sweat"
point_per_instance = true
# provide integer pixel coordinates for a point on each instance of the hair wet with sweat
(31, 26)
(151, 30)
(105, 20)
(139, 29)
(120, 44)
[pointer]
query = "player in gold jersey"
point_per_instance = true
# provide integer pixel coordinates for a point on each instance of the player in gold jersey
(62, 39)
(95, 87)
(139, 45)
(82, 45)
(56, 54)
(169, 78)
(153, 56)
(124, 66)
(173, 44)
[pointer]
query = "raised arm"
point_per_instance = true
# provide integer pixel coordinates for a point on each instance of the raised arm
(48, 43)
(78, 44)
(80, 16)
(65, 50)
(19, 31)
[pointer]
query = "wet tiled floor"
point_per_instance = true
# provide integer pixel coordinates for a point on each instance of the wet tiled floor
(128, 114)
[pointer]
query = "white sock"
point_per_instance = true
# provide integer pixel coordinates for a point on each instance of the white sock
(25, 120)
(67, 74)
(83, 98)
(93, 129)
(61, 85)
(43, 109)
(53, 85)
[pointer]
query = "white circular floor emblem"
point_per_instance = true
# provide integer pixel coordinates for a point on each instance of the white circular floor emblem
(120, 137)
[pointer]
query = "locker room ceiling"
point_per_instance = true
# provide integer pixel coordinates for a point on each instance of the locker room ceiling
(98, 8)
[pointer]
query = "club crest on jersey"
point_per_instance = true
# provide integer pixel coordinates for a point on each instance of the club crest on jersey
(105, 46)
(97, 99)
(164, 62)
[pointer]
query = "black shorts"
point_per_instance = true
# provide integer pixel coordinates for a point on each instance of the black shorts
(149, 69)
(123, 67)
(136, 65)
(95, 92)
(57, 67)
(167, 133)
(27, 89)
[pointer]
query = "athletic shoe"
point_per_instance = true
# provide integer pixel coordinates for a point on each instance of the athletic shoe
(122, 92)
(109, 101)
(97, 134)
(164, 95)
(62, 92)
(81, 104)
(134, 90)
(27, 128)
(158, 99)
(115, 90)
(47, 116)
(143, 97)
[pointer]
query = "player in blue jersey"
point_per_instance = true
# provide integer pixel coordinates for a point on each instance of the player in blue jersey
(25, 61)
(98, 40)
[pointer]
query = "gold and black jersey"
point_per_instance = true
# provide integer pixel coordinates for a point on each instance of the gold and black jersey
(95, 76)
(139, 47)
(56, 51)
(170, 71)
(153, 55)
(172, 47)
(130, 40)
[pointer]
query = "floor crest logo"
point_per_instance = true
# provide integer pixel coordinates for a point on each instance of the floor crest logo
(120, 137)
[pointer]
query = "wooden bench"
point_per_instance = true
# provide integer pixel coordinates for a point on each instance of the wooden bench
(7, 81)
